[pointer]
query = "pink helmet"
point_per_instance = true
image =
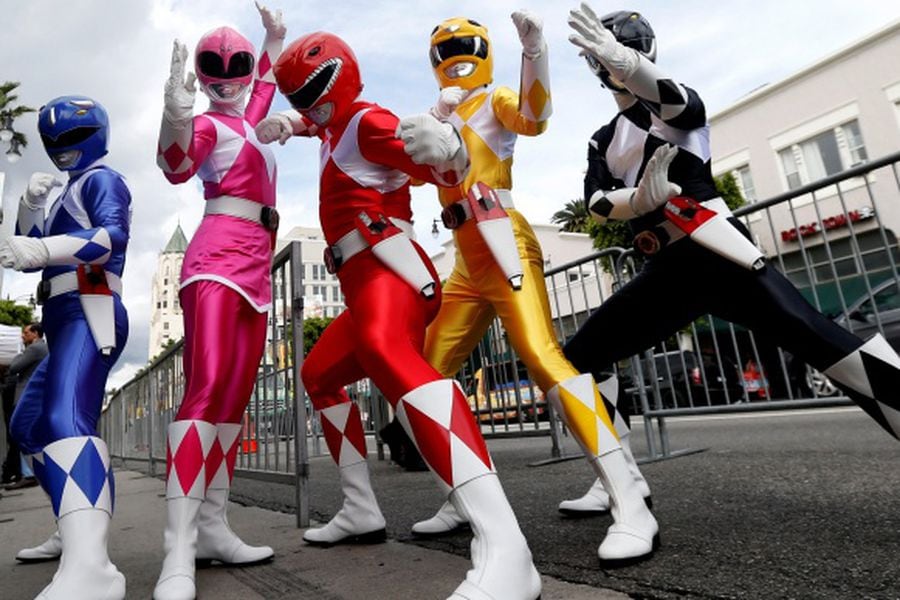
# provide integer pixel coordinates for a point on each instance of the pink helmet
(224, 62)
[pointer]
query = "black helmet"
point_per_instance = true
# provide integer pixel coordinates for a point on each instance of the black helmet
(632, 30)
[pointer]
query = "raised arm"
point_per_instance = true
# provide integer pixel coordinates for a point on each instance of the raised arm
(264, 86)
(30, 220)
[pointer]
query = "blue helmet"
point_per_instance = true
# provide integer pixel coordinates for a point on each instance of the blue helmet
(75, 131)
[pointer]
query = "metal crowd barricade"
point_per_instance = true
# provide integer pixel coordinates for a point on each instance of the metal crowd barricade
(136, 416)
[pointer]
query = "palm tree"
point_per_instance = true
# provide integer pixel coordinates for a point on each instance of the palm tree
(573, 217)
(9, 113)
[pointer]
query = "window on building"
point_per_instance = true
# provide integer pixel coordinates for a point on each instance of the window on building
(166, 325)
(745, 182)
(335, 293)
(873, 257)
(824, 154)
(165, 304)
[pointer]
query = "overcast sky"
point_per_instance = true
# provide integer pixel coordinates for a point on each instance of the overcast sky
(118, 53)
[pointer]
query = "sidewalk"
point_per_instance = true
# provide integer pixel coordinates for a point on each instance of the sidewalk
(391, 571)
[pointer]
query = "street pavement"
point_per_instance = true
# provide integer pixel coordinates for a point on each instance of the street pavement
(796, 504)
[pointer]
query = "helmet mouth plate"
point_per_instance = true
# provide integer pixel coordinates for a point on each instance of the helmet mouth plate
(460, 69)
(66, 160)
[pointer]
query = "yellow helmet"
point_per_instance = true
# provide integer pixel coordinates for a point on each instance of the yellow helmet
(461, 54)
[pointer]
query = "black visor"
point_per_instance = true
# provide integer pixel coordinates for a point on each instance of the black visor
(458, 46)
(211, 65)
(68, 138)
(312, 90)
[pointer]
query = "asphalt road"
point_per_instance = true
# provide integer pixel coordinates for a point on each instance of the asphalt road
(780, 505)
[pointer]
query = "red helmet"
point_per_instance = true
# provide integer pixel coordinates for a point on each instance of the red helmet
(224, 63)
(319, 75)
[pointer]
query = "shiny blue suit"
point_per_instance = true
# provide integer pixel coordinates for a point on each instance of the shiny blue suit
(65, 394)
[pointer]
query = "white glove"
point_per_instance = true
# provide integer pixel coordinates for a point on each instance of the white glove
(21, 252)
(274, 127)
(39, 186)
(427, 140)
(530, 28)
(597, 41)
(272, 22)
(450, 98)
(179, 90)
(655, 189)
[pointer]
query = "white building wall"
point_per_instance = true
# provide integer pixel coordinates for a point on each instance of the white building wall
(166, 316)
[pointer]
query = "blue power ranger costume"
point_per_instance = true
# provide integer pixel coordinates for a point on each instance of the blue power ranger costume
(81, 247)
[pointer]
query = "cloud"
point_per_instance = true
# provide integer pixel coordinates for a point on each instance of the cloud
(119, 53)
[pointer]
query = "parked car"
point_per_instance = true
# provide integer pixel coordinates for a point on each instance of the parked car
(684, 378)
(860, 318)
(495, 401)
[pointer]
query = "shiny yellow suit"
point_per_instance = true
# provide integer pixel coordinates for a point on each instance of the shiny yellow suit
(477, 289)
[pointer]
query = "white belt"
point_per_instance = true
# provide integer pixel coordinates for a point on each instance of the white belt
(353, 243)
(505, 197)
(240, 208)
(68, 282)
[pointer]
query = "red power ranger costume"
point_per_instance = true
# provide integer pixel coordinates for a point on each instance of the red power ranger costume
(392, 293)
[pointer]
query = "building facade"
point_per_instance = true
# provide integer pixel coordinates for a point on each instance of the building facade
(840, 112)
(166, 316)
(322, 295)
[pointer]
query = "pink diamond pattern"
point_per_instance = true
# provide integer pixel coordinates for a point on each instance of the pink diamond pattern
(214, 460)
(188, 459)
(264, 65)
(174, 156)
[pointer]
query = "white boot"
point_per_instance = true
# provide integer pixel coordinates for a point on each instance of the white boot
(85, 571)
(445, 520)
(49, 550)
(501, 562)
(596, 500)
(359, 520)
(634, 535)
(177, 578)
(189, 445)
(216, 540)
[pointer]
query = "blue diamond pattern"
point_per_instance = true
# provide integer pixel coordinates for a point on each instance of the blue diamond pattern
(54, 479)
(34, 232)
(88, 472)
(85, 234)
(112, 491)
(91, 251)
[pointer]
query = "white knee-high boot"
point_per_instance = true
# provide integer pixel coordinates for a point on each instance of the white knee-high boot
(189, 444)
(359, 519)
(76, 474)
(596, 500)
(438, 419)
(215, 539)
(634, 535)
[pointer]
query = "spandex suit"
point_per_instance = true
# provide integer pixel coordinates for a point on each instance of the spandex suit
(391, 293)
(478, 289)
(655, 111)
(225, 288)
(80, 245)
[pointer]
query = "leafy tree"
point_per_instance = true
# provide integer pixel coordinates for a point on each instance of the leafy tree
(574, 217)
(7, 98)
(18, 315)
(312, 329)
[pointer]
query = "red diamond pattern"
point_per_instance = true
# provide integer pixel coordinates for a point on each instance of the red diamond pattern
(333, 438)
(463, 426)
(188, 459)
(433, 440)
(354, 431)
(174, 156)
(214, 460)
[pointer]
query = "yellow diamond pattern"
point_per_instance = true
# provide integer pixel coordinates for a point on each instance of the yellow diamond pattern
(537, 98)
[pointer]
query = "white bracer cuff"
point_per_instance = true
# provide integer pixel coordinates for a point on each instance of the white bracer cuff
(612, 206)
(30, 221)
(175, 138)
(648, 82)
(74, 250)
(534, 87)
(271, 50)
(453, 171)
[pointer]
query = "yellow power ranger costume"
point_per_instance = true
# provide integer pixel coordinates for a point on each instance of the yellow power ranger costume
(489, 122)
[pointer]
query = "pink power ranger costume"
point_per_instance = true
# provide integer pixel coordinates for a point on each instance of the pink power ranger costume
(392, 293)
(225, 288)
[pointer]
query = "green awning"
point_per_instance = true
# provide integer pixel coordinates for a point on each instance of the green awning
(853, 288)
